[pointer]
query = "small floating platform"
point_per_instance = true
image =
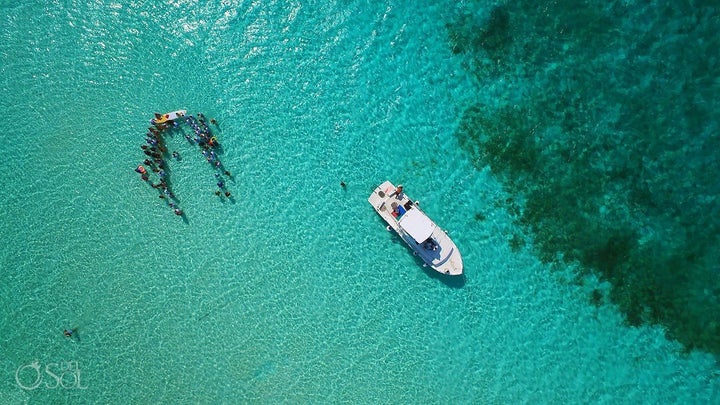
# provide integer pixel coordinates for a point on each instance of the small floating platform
(171, 116)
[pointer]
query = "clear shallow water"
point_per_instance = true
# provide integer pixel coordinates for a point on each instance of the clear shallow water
(293, 291)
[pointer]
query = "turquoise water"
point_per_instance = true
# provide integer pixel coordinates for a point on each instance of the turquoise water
(292, 291)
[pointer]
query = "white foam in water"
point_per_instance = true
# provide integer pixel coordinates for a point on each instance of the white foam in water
(294, 291)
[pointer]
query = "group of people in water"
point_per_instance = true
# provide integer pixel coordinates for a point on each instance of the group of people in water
(157, 156)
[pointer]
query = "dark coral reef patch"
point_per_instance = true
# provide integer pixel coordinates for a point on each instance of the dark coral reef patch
(611, 143)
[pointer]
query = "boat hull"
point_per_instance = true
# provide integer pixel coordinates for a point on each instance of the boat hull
(427, 240)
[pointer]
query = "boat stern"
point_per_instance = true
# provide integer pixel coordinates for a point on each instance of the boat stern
(380, 195)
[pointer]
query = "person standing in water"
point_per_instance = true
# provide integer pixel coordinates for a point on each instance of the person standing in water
(71, 333)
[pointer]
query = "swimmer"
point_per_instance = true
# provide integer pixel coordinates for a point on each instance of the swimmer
(178, 211)
(227, 194)
(217, 192)
(227, 173)
(212, 121)
(145, 177)
(220, 184)
(176, 155)
(140, 169)
(342, 184)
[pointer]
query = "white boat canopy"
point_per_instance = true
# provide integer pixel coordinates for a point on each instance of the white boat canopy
(417, 225)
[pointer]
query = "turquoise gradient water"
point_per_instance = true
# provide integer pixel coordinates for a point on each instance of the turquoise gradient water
(292, 291)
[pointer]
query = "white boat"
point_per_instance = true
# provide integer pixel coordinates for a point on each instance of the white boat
(171, 116)
(427, 240)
